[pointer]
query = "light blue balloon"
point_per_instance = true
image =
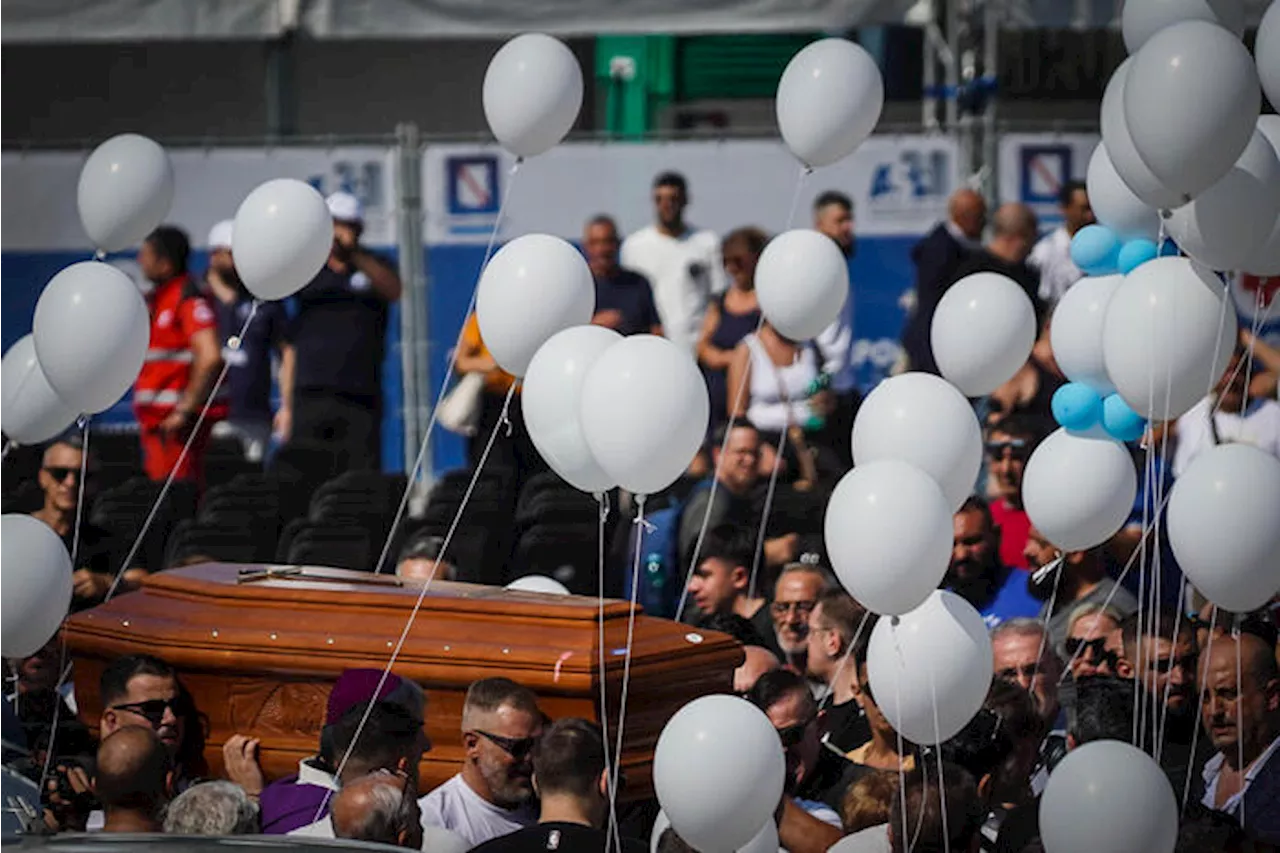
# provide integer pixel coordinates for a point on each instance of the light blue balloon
(1095, 249)
(1135, 253)
(1076, 406)
(1120, 421)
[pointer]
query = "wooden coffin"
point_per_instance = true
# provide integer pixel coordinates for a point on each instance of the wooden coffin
(259, 651)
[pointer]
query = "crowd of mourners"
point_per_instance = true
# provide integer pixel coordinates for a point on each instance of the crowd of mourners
(1083, 651)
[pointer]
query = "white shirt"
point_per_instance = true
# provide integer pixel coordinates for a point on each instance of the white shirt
(836, 343)
(1051, 257)
(1260, 427)
(873, 839)
(685, 272)
(1213, 770)
(434, 839)
(779, 394)
(457, 808)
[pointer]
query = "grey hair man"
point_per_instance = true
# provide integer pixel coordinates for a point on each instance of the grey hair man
(1024, 656)
(212, 808)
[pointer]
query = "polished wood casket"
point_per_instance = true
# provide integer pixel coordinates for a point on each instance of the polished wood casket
(260, 646)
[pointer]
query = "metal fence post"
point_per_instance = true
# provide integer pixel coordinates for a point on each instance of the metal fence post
(413, 298)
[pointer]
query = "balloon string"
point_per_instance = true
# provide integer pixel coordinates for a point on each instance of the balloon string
(942, 787)
(50, 751)
(186, 448)
(805, 171)
(1227, 299)
(422, 595)
(8, 445)
(641, 526)
(1254, 328)
(418, 462)
(1202, 679)
(844, 660)
(1044, 635)
(1240, 768)
(1266, 315)
(1173, 646)
(1148, 488)
(602, 498)
(84, 469)
(765, 512)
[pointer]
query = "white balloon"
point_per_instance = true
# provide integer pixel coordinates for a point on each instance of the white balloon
(888, 533)
(31, 410)
(1266, 50)
(718, 772)
(765, 841)
(91, 331)
(1114, 204)
(1266, 260)
(1108, 797)
(551, 397)
(125, 190)
(1075, 332)
(36, 570)
(802, 282)
(922, 419)
(1208, 74)
(938, 656)
(828, 101)
(1225, 226)
(533, 287)
(1078, 491)
(1141, 19)
(644, 412)
(281, 238)
(1124, 158)
(1222, 525)
(538, 583)
(1165, 339)
(983, 330)
(532, 93)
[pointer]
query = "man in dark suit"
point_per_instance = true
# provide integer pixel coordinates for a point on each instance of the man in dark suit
(936, 258)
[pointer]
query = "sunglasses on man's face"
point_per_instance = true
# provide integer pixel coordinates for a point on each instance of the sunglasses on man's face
(517, 748)
(59, 473)
(1097, 650)
(152, 710)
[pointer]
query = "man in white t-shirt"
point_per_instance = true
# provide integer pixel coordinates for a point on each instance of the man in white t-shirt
(493, 795)
(1051, 257)
(682, 263)
(1226, 417)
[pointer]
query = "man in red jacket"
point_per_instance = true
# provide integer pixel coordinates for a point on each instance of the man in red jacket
(182, 362)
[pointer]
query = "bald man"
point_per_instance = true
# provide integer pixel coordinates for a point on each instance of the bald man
(379, 807)
(1241, 715)
(1013, 236)
(134, 780)
(936, 258)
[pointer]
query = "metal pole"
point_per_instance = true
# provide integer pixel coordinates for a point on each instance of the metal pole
(409, 242)
(952, 62)
(929, 103)
(990, 70)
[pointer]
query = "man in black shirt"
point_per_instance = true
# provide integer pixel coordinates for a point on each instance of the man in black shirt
(99, 551)
(1013, 236)
(624, 298)
(833, 627)
(569, 777)
(330, 376)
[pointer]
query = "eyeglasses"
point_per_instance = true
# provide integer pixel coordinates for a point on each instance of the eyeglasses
(517, 748)
(792, 735)
(1097, 650)
(1016, 448)
(152, 710)
(782, 608)
(1028, 671)
(58, 473)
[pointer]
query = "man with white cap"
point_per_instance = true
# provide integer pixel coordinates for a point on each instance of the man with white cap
(330, 377)
(247, 347)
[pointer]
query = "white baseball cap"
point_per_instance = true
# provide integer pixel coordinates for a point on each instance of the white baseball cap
(220, 235)
(344, 207)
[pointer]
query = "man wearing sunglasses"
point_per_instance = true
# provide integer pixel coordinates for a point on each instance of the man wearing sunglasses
(99, 553)
(1080, 580)
(142, 690)
(569, 775)
(493, 795)
(1010, 442)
